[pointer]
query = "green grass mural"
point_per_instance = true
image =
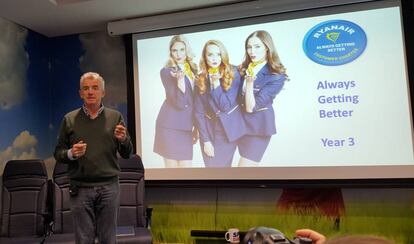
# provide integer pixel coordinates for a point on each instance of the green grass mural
(172, 223)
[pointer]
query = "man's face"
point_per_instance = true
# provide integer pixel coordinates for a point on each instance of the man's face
(91, 92)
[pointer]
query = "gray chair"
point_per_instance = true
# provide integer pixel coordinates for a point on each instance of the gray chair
(62, 215)
(132, 210)
(24, 202)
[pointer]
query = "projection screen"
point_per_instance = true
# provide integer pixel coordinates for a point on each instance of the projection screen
(342, 112)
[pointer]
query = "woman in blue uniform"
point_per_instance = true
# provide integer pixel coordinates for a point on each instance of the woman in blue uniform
(174, 126)
(264, 76)
(217, 111)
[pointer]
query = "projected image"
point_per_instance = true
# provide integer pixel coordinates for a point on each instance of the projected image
(317, 91)
(226, 107)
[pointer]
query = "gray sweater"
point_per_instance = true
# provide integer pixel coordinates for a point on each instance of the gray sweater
(99, 164)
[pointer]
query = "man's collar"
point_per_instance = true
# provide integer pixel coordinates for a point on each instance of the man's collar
(86, 111)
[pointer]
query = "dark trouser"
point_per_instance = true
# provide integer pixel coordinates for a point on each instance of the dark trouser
(95, 212)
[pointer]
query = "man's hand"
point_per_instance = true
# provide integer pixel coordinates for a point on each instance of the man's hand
(316, 237)
(120, 132)
(79, 149)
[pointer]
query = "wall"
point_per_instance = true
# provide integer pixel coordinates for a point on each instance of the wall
(24, 94)
(178, 210)
(39, 83)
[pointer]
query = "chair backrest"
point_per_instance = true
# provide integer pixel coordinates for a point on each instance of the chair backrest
(24, 198)
(61, 200)
(131, 179)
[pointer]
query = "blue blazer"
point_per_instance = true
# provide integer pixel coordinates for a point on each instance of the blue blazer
(217, 104)
(261, 122)
(176, 112)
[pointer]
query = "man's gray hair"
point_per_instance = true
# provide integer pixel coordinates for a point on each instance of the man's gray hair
(93, 75)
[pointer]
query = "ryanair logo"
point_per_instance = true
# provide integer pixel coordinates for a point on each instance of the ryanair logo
(334, 42)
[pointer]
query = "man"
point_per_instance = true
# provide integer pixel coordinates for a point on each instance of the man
(89, 140)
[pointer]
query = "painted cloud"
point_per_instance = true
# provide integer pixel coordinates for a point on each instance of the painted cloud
(23, 147)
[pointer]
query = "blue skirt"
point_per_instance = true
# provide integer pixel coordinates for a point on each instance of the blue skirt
(223, 151)
(253, 147)
(173, 144)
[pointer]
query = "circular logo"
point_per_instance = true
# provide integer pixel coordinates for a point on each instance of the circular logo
(334, 42)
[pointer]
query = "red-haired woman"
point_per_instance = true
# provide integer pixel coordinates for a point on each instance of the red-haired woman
(218, 115)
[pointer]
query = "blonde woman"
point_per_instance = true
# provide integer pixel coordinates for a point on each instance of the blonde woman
(174, 136)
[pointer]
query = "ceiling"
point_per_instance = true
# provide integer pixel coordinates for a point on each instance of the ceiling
(64, 17)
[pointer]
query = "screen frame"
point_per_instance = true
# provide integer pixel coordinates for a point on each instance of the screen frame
(399, 175)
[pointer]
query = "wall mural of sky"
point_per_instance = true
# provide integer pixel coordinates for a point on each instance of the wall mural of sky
(17, 134)
(39, 83)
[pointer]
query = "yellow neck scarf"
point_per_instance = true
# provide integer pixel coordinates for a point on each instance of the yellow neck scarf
(213, 71)
(251, 67)
(188, 71)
